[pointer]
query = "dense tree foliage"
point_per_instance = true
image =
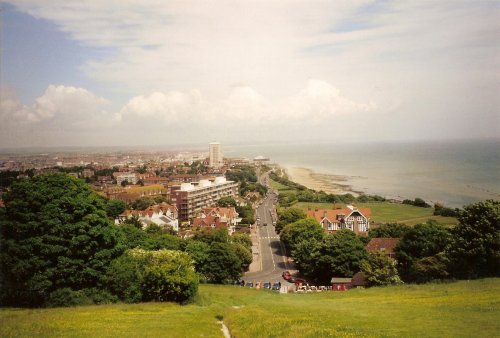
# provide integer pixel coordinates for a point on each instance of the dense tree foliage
(389, 230)
(288, 216)
(475, 248)
(302, 230)
(226, 202)
(422, 241)
(115, 207)
(222, 265)
(163, 275)
(242, 173)
(219, 258)
(54, 235)
(246, 213)
(143, 203)
(339, 254)
(441, 210)
(418, 202)
(380, 269)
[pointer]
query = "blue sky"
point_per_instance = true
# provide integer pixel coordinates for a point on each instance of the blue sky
(147, 72)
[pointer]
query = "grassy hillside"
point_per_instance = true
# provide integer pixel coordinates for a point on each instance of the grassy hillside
(460, 309)
(387, 212)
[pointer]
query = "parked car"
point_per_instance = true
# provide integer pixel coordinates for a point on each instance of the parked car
(249, 284)
(286, 275)
(276, 286)
(266, 285)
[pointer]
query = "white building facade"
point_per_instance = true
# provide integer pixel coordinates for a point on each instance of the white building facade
(215, 155)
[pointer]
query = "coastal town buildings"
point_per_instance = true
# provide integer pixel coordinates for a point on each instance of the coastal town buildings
(217, 217)
(163, 214)
(215, 155)
(350, 217)
(191, 198)
(131, 193)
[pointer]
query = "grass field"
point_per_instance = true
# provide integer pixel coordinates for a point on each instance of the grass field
(386, 212)
(459, 309)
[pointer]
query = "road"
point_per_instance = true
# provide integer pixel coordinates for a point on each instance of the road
(273, 260)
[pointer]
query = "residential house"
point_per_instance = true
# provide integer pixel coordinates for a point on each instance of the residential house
(386, 245)
(217, 217)
(162, 214)
(350, 217)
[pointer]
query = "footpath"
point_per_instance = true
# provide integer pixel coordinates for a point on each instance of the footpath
(256, 264)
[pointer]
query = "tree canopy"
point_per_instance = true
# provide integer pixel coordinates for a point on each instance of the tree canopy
(55, 234)
(304, 229)
(475, 248)
(422, 241)
(380, 269)
(288, 216)
(339, 254)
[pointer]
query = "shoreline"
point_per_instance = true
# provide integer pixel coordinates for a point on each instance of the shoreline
(330, 184)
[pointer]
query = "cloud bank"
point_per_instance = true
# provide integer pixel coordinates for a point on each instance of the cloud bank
(179, 71)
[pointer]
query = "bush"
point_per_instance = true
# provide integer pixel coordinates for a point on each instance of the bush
(162, 275)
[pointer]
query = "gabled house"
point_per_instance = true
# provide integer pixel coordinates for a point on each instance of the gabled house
(386, 245)
(350, 217)
(162, 214)
(217, 217)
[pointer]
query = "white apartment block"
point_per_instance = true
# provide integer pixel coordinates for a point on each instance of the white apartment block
(215, 155)
(190, 199)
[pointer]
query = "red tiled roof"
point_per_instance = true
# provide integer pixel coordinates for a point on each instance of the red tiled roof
(332, 214)
(382, 244)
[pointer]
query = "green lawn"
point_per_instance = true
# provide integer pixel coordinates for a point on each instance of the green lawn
(386, 212)
(459, 309)
(279, 187)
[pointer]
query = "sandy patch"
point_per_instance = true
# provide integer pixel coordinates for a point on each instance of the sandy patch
(331, 184)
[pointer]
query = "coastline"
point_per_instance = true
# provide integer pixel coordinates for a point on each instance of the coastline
(331, 184)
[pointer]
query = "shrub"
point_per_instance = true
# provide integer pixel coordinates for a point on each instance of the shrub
(162, 275)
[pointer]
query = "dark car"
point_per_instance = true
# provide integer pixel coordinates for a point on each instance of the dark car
(276, 286)
(266, 285)
(249, 284)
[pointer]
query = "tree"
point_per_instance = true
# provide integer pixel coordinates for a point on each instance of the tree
(244, 254)
(226, 202)
(143, 203)
(222, 265)
(162, 275)
(475, 249)
(243, 239)
(339, 254)
(115, 207)
(380, 269)
(423, 240)
(301, 230)
(288, 216)
(55, 234)
(199, 253)
(389, 230)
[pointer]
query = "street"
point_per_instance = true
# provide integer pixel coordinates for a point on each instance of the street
(271, 260)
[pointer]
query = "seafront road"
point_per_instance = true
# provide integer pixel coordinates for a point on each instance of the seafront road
(269, 256)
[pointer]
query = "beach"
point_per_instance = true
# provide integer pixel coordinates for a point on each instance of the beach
(331, 184)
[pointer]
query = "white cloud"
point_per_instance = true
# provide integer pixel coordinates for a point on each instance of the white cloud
(188, 65)
(59, 107)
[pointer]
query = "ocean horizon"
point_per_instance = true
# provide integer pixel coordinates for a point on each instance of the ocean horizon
(454, 173)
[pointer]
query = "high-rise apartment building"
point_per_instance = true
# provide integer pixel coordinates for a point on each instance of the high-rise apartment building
(190, 198)
(215, 155)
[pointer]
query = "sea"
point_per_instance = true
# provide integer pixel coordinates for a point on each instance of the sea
(455, 173)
